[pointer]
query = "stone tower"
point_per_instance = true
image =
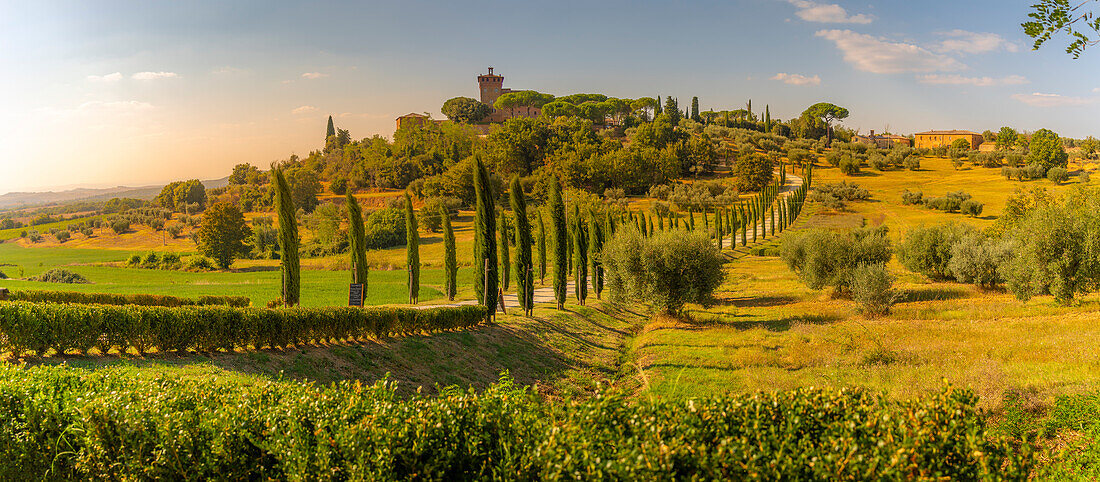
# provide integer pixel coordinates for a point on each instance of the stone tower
(491, 87)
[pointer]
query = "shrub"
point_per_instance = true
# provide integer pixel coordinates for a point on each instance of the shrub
(873, 289)
(385, 228)
(199, 263)
(133, 260)
(976, 259)
(927, 250)
(972, 208)
(844, 191)
(878, 162)
(753, 172)
(42, 296)
(120, 426)
(1084, 177)
(912, 197)
(823, 258)
(666, 270)
(120, 226)
(849, 166)
(151, 260)
(339, 185)
(175, 230)
(951, 202)
(1035, 171)
(1057, 175)
(60, 275)
(430, 218)
(912, 163)
(61, 236)
(40, 327)
(1054, 250)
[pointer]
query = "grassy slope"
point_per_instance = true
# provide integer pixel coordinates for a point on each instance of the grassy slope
(770, 332)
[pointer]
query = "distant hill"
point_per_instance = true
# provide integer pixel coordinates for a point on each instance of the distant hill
(27, 199)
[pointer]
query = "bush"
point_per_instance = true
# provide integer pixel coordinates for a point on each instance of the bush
(951, 202)
(61, 236)
(972, 208)
(1057, 175)
(430, 216)
(976, 259)
(878, 162)
(133, 260)
(823, 258)
(849, 166)
(912, 197)
(339, 185)
(175, 230)
(120, 226)
(666, 270)
(385, 228)
(199, 263)
(42, 296)
(40, 327)
(844, 191)
(912, 163)
(873, 289)
(60, 275)
(119, 425)
(927, 250)
(1035, 171)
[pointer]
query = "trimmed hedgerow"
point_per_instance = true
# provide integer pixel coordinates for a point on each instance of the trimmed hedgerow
(43, 296)
(117, 424)
(42, 327)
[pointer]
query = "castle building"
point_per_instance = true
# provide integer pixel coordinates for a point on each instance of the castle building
(932, 139)
(883, 141)
(492, 87)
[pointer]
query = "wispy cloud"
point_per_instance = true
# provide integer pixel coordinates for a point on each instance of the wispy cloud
(796, 79)
(113, 77)
(955, 79)
(880, 56)
(303, 109)
(314, 75)
(154, 75)
(964, 41)
(1039, 99)
(811, 11)
(115, 106)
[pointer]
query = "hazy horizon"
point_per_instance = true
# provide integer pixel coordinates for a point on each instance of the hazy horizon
(136, 94)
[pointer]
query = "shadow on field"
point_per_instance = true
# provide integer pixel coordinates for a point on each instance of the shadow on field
(760, 301)
(935, 293)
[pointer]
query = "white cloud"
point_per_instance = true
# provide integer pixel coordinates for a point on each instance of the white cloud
(303, 109)
(881, 56)
(796, 79)
(314, 75)
(811, 11)
(973, 42)
(955, 79)
(1039, 99)
(115, 77)
(154, 75)
(1096, 90)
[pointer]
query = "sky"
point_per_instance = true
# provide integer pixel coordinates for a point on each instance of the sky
(108, 93)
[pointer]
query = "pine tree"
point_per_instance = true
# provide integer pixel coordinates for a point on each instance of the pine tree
(672, 108)
(505, 251)
(288, 240)
(557, 220)
(450, 261)
(412, 250)
(485, 246)
(525, 283)
(580, 258)
(542, 248)
(357, 244)
(595, 248)
(331, 130)
(695, 109)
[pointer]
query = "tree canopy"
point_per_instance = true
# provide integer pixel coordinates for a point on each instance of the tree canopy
(465, 109)
(1054, 17)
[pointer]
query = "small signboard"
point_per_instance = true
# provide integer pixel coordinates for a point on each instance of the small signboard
(355, 294)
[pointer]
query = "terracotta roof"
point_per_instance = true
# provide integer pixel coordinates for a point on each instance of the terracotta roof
(956, 133)
(412, 114)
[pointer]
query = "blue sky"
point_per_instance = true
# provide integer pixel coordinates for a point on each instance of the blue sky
(110, 93)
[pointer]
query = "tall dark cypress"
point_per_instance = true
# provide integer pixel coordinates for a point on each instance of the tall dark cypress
(412, 250)
(773, 206)
(657, 110)
(580, 258)
(767, 118)
(505, 251)
(651, 231)
(288, 240)
(595, 248)
(542, 248)
(691, 220)
(357, 244)
(485, 246)
(695, 109)
(557, 220)
(525, 280)
(450, 258)
(744, 221)
(331, 130)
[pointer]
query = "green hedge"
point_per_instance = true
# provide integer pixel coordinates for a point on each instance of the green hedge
(43, 296)
(125, 424)
(40, 327)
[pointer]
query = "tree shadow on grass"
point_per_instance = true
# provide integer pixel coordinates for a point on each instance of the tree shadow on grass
(933, 293)
(760, 301)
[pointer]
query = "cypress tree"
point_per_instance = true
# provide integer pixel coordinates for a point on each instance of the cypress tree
(651, 230)
(676, 220)
(288, 240)
(660, 221)
(706, 220)
(641, 221)
(557, 220)
(595, 248)
(504, 250)
(744, 217)
(542, 248)
(750, 109)
(357, 244)
(412, 250)
(485, 246)
(657, 110)
(450, 261)
(525, 283)
(773, 219)
(691, 219)
(767, 118)
(695, 109)
(580, 245)
(331, 130)
(570, 226)
(718, 228)
(755, 211)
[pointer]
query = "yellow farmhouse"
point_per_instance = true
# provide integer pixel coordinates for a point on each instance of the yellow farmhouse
(932, 139)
